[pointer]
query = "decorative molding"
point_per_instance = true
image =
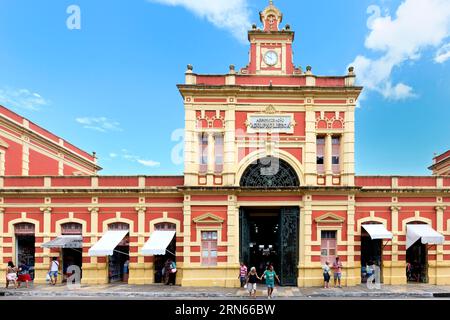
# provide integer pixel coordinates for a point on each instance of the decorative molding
(208, 218)
(329, 218)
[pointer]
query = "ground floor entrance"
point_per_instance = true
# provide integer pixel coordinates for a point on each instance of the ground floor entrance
(118, 264)
(417, 263)
(371, 256)
(270, 236)
(71, 257)
(25, 251)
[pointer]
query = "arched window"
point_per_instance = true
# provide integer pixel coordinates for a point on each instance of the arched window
(165, 226)
(269, 172)
(24, 228)
(71, 228)
(118, 226)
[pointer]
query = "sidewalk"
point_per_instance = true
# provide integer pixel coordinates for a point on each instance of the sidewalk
(174, 292)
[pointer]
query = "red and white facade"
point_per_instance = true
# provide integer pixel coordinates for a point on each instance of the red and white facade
(270, 109)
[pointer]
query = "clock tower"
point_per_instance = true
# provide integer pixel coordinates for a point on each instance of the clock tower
(271, 47)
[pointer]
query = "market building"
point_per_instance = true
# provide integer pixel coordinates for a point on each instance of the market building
(269, 177)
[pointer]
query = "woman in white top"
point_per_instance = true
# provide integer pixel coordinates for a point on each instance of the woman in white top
(326, 274)
(11, 274)
(53, 272)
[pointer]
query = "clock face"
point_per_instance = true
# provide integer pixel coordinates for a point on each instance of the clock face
(271, 58)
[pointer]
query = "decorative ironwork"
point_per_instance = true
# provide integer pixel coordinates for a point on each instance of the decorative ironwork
(289, 221)
(244, 236)
(269, 172)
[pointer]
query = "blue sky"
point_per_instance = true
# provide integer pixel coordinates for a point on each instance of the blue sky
(110, 86)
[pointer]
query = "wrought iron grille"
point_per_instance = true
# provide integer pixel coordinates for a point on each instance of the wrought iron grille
(269, 172)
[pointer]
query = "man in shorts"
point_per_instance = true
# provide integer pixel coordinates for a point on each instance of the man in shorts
(337, 270)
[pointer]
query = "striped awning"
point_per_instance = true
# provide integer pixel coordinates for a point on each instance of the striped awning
(65, 241)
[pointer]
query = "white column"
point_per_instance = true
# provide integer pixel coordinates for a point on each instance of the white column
(211, 155)
(310, 145)
(229, 154)
(348, 148)
(440, 229)
(328, 154)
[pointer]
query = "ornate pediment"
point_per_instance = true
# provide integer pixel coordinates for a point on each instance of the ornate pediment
(329, 218)
(208, 218)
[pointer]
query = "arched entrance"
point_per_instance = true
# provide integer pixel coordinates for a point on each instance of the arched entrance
(25, 245)
(269, 235)
(71, 256)
(417, 259)
(160, 260)
(118, 263)
(269, 172)
(371, 253)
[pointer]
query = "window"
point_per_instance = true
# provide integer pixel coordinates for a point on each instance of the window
(328, 246)
(336, 153)
(203, 152)
(218, 150)
(320, 155)
(209, 248)
(24, 228)
(71, 228)
(165, 226)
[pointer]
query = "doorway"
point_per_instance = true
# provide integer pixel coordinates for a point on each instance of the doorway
(417, 263)
(270, 236)
(159, 262)
(118, 263)
(72, 255)
(371, 255)
(25, 245)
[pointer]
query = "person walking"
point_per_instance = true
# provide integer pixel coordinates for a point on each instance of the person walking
(270, 275)
(11, 274)
(326, 275)
(53, 271)
(243, 274)
(337, 272)
(24, 274)
(251, 280)
(172, 272)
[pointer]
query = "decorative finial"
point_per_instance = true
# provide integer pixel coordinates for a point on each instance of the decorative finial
(190, 67)
(271, 2)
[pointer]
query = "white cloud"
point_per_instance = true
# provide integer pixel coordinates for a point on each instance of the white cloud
(22, 99)
(417, 26)
(443, 54)
(231, 15)
(101, 124)
(149, 163)
(126, 155)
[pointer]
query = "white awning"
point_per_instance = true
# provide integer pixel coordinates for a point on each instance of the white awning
(106, 245)
(65, 241)
(158, 243)
(424, 232)
(377, 231)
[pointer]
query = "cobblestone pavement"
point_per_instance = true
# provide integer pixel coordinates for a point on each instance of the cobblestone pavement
(177, 292)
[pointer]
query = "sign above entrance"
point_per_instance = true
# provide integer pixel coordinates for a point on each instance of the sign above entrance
(270, 123)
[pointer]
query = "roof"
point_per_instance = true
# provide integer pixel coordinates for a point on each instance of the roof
(53, 139)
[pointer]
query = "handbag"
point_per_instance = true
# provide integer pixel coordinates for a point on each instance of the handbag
(47, 277)
(245, 286)
(173, 270)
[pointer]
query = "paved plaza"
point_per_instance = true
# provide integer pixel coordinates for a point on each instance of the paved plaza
(114, 291)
